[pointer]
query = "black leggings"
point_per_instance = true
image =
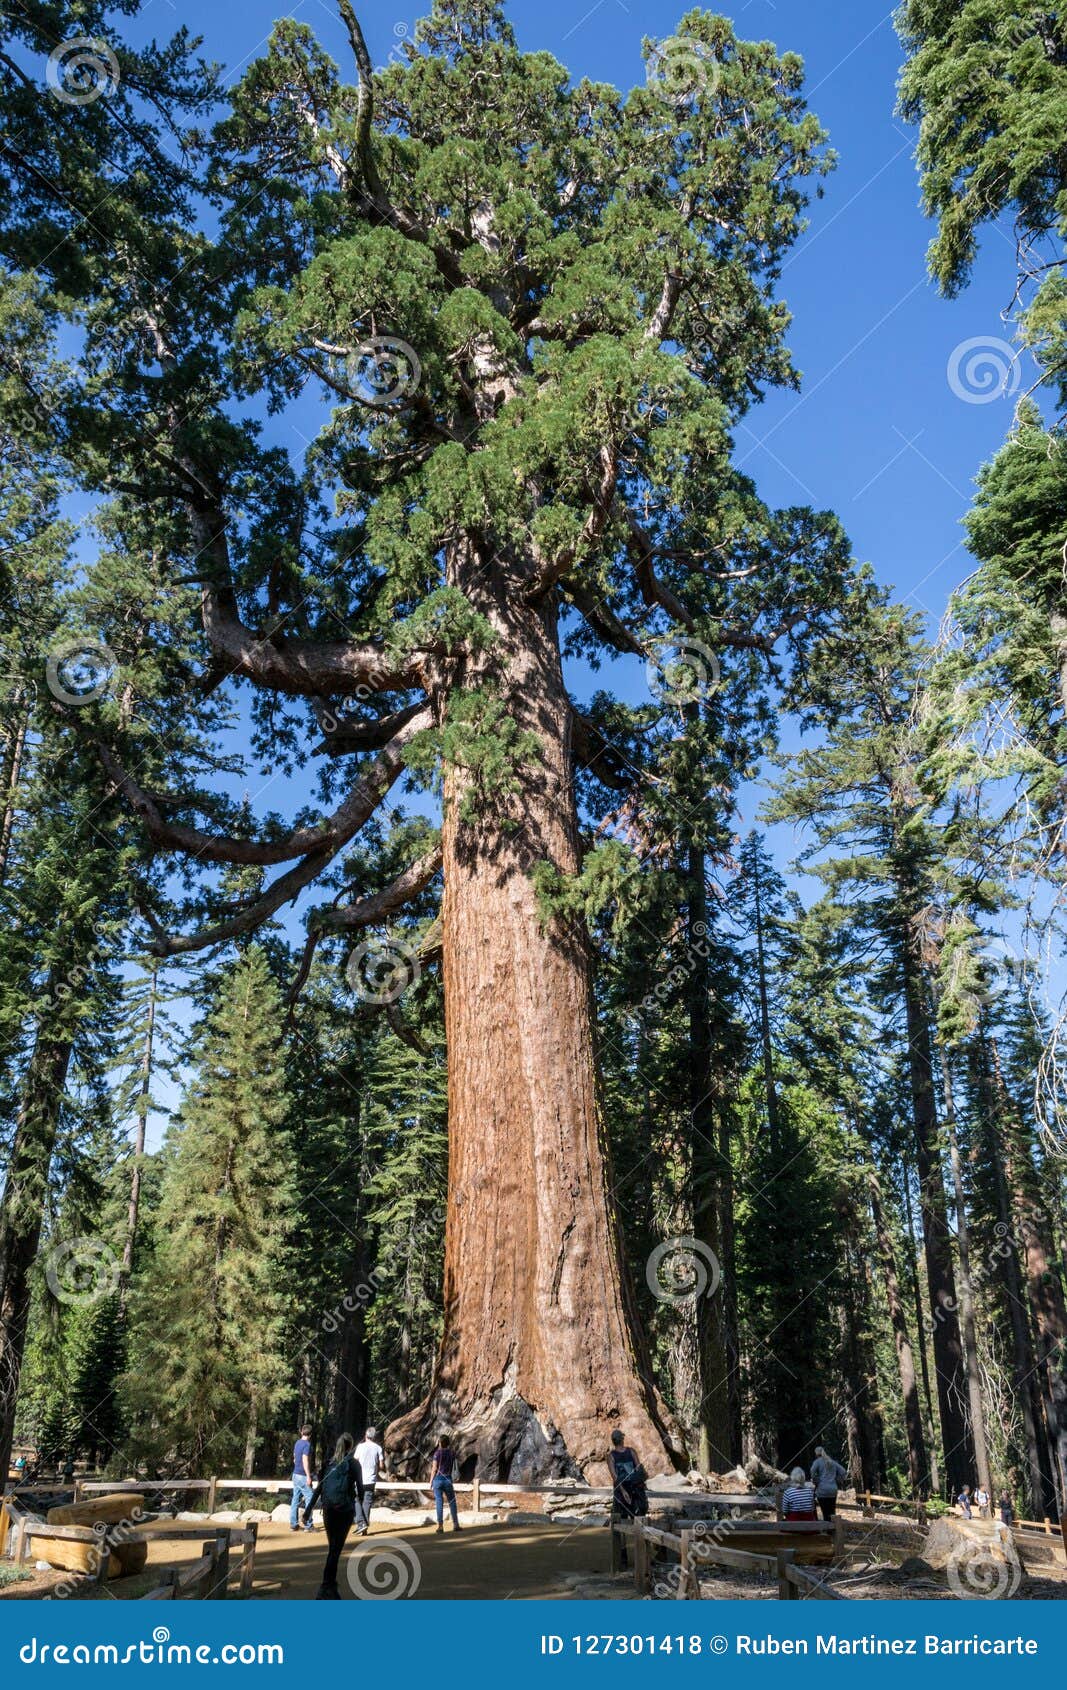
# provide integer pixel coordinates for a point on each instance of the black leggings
(338, 1523)
(828, 1504)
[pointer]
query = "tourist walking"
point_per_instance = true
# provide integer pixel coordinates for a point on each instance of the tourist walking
(629, 1496)
(628, 1477)
(981, 1498)
(371, 1458)
(826, 1475)
(301, 1478)
(963, 1502)
(1007, 1508)
(798, 1498)
(444, 1466)
(341, 1490)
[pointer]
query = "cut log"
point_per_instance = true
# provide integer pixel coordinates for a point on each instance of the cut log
(110, 1508)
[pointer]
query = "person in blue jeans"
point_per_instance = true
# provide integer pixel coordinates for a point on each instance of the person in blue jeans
(301, 1479)
(444, 1466)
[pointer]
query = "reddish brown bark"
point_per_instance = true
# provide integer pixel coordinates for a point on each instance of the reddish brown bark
(540, 1357)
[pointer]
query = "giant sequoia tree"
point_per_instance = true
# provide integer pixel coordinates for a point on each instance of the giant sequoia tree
(536, 307)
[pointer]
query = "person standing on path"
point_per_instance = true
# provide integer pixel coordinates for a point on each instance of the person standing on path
(963, 1502)
(301, 1478)
(629, 1496)
(341, 1489)
(444, 1466)
(826, 1475)
(371, 1458)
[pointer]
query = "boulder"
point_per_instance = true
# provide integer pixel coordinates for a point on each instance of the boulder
(225, 1517)
(259, 1515)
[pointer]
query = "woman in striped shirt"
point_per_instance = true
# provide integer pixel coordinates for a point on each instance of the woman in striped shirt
(798, 1500)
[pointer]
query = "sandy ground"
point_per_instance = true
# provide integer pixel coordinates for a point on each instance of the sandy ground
(524, 1562)
(517, 1563)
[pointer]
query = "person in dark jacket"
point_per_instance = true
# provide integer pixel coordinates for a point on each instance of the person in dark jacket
(441, 1482)
(341, 1490)
(629, 1497)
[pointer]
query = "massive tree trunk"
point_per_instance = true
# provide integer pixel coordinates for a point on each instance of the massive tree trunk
(948, 1348)
(25, 1193)
(540, 1356)
(713, 1419)
(144, 1102)
(909, 1390)
(1043, 1283)
(1027, 1389)
(968, 1327)
(920, 1336)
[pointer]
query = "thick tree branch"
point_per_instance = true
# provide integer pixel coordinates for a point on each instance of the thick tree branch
(378, 906)
(282, 891)
(376, 196)
(593, 751)
(304, 668)
(345, 735)
(653, 590)
(329, 835)
(603, 620)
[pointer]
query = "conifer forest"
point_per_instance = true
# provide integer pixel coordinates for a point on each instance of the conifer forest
(508, 927)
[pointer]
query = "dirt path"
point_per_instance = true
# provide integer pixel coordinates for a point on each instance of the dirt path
(522, 1563)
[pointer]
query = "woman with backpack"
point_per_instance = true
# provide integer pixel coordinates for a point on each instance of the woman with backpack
(341, 1490)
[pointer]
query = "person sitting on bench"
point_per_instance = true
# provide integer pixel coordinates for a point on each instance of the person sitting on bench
(798, 1500)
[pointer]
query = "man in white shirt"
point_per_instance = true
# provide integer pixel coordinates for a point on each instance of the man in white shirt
(371, 1458)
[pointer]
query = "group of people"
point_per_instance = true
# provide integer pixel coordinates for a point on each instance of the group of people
(969, 1501)
(806, 1498)
(346, 1491)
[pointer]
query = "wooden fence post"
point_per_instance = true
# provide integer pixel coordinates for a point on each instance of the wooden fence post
(787, 1590)
(839, 1537)
(869, 1507)
(220, 1573)
(685, 1571)
(640, 1557)
(213, 1485)
(78, 1489)
(476, 1496)
(249, 1562)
